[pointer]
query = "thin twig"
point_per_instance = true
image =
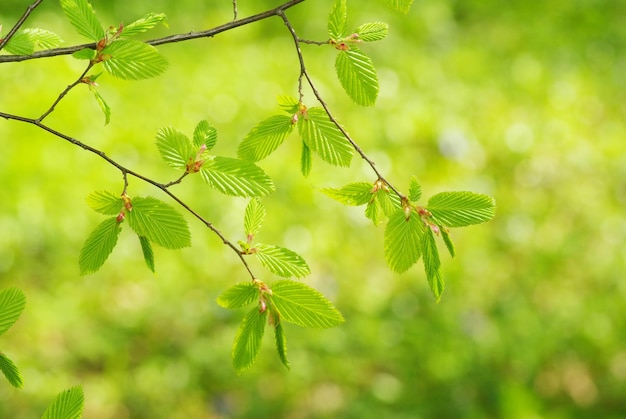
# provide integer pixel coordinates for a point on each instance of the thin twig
(65, 92)
(234, 9)
(19, 23)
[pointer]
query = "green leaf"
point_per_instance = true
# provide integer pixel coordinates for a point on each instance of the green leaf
(253, 217)
(10, 371)
(289, 104)
(460, 209)
(358, 193)
(12, 302)
(400, 5)
(20, 44)
(144, 24)
(389, 202)
(158, 222)
(85, 54)
(67, 405)
(99, 246)
(374, 212)
(265, 138)
(206, 134)
(25, 41)
(239, 295)
(83, 18)
(338, 20)
(323, 137)
(133, 60)
(106, 110)
(357, 75)
(403, 239)
(302, 305)
(236, 177)
(148, 253)
(373, 31)
(281, 343)
(174, 147)
(432, 264)
(306, 163)
(415, 190)
(281, 261)
(105, 202)
(447, 240)
(248, 340)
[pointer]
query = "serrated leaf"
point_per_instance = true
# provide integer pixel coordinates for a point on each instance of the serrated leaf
(400, 5)
(415, 190)
(374, 212)
(304, 306)
(403, 240)
(83, 18)
(25, 41)
(460, 209)
(159, 223)
(358, 193)
(67, 405)
(265, 138)
(253, 217)
(447, 240)
(288, 103)
(236, 177)
(389, 202)
(373, 31)
(148, 253)
(357, 75)
(174, 147)
(12, 303)
(248, 340)
(281, 343)
(239, 295)
(99, 246)
(432, 264)
(105, 202)
(323, 137)
(338, 20)
(144, 24)
(11, 372)
(106, 110)
(281, 261)
(85, 54)
(306, 163)
(206, 134)
(20, 44)
(133, 60)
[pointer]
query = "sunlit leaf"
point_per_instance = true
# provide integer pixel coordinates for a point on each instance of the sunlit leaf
(239, 295)
(174, 147)
(265, 138)
(373, 31)
(281, 261)
(288, 103)
(20, 44)
(459, 209)
(415, 190)
(323, 137)
(99, 246)
(106, 110)
(25, 41)
(248, 340)
(357, 75)
(133, 60)
(206, 134)
(358, 193)
(12, 303)
(403, 240)
(159, 223)
(10, 371)
(374, 212)
(389, 202)
(338, 20)
(281, 343)
(432, 264)
(144, 24)
(302, 305)
(448, 241)
(67, 405)
(236, 177)
(148, 253)
(253, 217)
(400, 5)
(83, 18)
(85, 54)
(306, 163)
(105, 202)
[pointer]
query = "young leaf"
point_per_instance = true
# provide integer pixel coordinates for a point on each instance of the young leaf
(460, 209)
(253, 217)
(206, 134)
(281, 261)
(358, 193)
(236, 177)
(99, 246)
(10, 371)
(323, 137)
(133, 60)
(306, 163)
(174, 147)
(67, 405)
(374, 31)
(25, 41)
(148, 253)
(144, 24)
(447, 240)
(403, 240)
(338, 20)
(415, 190)
(85, 54)
(105, 202)
(12, 302)
(20, 44)
(265, 138)
(281, 343)
(288, 103)
(374, 212)
(432, 264)
(388, 201)
(400, 5)
(106, 110)
(158, 222)
(83, 18)
(248, 340)
(357, 75)
(239, 295)
(302, 305)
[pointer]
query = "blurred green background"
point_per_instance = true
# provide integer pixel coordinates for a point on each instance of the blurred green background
(525, 101)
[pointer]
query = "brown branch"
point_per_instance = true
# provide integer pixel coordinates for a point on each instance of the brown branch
(19, 23)
(65, 92)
